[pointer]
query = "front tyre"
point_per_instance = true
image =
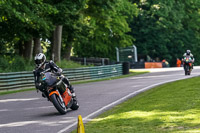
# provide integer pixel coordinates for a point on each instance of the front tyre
(59, 105)
(186, 70)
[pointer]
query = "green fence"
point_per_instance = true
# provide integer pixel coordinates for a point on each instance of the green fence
(20, 80)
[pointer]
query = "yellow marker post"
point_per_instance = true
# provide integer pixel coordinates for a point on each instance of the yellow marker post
(80, 126)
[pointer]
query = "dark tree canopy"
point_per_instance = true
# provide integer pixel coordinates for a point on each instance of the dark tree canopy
(163, 29)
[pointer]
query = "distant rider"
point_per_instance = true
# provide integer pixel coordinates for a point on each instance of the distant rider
(190, 55)
(48, 66)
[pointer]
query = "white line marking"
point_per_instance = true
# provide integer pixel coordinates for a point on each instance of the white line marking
(136, 85)
(4, 110)
(15, 100)
(87, 118)
(158, 76)
(17, 124)
(44, 107)
(42, 123)
(150, 76)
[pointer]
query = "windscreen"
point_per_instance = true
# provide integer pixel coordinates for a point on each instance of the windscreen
(49, 78)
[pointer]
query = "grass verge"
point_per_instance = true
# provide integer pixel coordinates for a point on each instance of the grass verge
(169, 108)
(78, 82)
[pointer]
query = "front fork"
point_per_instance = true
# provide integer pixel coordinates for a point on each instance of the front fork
(61, 99)
(58, 94)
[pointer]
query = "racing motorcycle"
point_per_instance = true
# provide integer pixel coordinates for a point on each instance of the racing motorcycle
(187, 62)
(57, 92)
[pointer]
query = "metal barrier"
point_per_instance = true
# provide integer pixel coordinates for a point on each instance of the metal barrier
(19, 80)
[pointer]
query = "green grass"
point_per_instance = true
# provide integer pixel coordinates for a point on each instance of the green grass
(169, 108)
(78, 82)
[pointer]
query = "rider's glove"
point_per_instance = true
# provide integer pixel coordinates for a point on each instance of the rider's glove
(57, 73)
(38, 86)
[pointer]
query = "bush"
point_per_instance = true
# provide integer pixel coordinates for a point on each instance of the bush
(17, 63)
(4, 64)
(68, 64)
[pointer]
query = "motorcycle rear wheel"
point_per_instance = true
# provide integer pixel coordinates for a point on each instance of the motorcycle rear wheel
(60, 106)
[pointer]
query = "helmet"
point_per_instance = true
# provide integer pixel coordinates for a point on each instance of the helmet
(40, 59)
(188, 52)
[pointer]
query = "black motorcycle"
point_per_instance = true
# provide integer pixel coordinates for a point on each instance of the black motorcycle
(57, 92)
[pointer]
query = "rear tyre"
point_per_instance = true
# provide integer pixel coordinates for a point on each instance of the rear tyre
(75, 105)
(59, 105)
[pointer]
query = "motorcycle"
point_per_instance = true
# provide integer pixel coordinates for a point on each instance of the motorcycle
(57, 92)
(187, 65)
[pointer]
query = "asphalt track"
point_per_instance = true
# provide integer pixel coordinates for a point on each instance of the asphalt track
(28, 112)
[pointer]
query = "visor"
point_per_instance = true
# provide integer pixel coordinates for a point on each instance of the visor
(38, 62)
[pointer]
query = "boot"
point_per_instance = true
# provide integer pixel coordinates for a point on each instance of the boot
(72, 91)
(45, 96)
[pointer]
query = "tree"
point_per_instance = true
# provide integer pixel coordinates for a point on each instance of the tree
(22, 20)
(66, 11)
(163, 28)
(108, 22)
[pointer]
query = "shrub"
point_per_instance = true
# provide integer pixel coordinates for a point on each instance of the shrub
(4, 64)
(18, 63)
(68, 64)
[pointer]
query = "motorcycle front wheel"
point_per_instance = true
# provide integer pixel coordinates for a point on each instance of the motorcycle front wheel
(59, 105)
(187, 71)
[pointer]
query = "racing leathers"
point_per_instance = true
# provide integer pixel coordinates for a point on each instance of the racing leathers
(191, 56)
(49, 67)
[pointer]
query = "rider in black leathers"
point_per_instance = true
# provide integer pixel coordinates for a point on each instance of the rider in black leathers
(48, 66)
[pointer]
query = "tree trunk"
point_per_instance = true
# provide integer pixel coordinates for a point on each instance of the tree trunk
(21, 48)
(68, 52)
(57, 38)
(37, 46)
(28, 49)
(68, 47)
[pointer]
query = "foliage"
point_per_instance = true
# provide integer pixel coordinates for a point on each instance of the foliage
(69, 64)
(163, 29)
(24, 19)
(14, 64)
(17, 63)
(169, 108)
(166, 29)
(108, 23)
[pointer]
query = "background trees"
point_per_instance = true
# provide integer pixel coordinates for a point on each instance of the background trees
(163, 29)
(108, 25)
(167, 28)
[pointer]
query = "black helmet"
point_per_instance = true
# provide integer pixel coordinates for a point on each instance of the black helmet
(40, 59)
(188, 52)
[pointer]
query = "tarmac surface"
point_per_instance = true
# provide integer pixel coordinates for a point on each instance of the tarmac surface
(29, 112)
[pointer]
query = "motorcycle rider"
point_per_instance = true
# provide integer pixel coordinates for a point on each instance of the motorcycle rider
(188, 53)
(48, 66)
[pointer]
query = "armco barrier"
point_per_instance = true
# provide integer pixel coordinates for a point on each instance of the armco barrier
(19, 80)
